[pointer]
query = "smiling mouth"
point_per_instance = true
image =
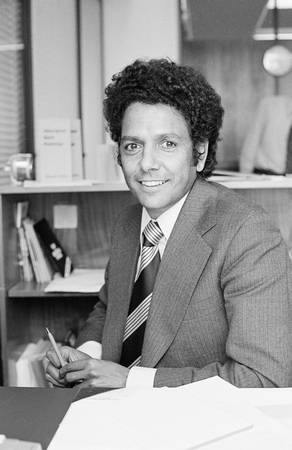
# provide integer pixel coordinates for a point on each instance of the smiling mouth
(153, 183)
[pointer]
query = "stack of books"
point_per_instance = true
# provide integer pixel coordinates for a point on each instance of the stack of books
(40, 254)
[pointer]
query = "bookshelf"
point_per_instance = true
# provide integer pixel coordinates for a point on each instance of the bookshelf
(25, 310)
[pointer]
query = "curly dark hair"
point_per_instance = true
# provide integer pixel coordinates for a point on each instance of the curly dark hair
(163, 81)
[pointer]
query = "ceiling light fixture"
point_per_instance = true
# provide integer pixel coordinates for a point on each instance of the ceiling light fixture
(277, 60)
(281, 4)
(268, 34)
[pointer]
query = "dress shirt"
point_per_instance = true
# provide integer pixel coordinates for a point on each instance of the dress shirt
(142, 376)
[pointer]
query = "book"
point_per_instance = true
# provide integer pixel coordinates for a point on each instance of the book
(41, 268)
(25, 263)
(20, 213)
(60, 260)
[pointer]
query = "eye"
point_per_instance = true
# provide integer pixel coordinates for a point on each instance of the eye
(131, 147)
(168, 145)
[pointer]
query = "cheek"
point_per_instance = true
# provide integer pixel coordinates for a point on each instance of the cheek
(182, 168)
(127, 166)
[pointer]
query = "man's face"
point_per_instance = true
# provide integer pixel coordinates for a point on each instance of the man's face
(156, 155)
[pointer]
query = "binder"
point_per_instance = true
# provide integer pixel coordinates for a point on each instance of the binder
(60, 260)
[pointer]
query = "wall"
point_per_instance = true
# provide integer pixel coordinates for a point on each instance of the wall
(91, 83)
(139, 28)
(235, 70)
(54, 58)
(112, 34)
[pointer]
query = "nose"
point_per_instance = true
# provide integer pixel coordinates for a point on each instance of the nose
(149, 160)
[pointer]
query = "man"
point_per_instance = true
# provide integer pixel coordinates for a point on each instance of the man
(198, 280)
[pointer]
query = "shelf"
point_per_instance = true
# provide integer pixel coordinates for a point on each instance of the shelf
(39, 188)
(255, 182)
(233, 182)
(24, 289)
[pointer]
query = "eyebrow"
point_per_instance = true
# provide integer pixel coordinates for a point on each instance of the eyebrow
(159, 136)
(130, 138)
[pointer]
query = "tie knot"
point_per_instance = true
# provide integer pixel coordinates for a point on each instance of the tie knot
(152, 234)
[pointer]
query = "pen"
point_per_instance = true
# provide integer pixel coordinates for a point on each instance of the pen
(54, 345)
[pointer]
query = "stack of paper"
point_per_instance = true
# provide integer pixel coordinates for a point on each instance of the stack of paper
(80, 280)
(209, 413)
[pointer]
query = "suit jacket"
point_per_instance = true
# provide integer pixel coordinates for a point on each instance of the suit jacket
(221, 304)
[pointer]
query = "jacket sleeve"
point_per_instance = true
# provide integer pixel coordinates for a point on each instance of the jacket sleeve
(256, 284)
(93, 328)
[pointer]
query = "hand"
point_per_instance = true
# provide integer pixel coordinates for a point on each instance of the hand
(94, 373)
(52, 365)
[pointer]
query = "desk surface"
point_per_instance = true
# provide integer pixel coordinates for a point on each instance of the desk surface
(33, 414)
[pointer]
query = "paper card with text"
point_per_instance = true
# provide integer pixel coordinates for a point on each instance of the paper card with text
(53, 150)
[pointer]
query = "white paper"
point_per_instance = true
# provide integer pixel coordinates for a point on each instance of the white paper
(156, 419)
(267, 433)
(65, 216)
(53, 150)
(76, 148)
(170, 418)
(80, 280)
(274, 402)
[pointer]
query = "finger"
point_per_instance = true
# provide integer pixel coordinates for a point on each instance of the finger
(75, 377)
(74, 366)
(53, 358)
(53, 381)
(45, 363)
(54, 373)
(89, 383)
(72, 354)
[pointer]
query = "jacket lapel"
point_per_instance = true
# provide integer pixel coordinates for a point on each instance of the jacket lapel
(125, 253)
(184, 259)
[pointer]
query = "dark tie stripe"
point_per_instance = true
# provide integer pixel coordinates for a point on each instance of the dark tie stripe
(132, 349)
(145, 283)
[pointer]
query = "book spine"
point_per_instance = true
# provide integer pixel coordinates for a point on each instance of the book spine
(26, 264)
(44, 273)
(32, 254)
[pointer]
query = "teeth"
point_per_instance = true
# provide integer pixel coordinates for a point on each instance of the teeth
(152, 183)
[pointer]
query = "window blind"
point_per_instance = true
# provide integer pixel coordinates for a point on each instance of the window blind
(12, 111)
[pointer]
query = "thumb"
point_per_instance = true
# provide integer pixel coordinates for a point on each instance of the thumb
(72, 354)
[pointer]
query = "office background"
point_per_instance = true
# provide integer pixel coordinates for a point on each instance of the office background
(56, 56)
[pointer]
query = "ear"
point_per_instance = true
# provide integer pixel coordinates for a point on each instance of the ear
(203, 151)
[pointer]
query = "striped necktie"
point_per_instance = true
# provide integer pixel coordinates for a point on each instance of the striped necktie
(141, 296)
(289, 152)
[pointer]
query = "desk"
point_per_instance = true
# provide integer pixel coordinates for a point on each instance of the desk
(33, 414)
(176, 419)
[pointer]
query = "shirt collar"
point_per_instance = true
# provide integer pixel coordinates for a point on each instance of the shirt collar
(166, 220)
